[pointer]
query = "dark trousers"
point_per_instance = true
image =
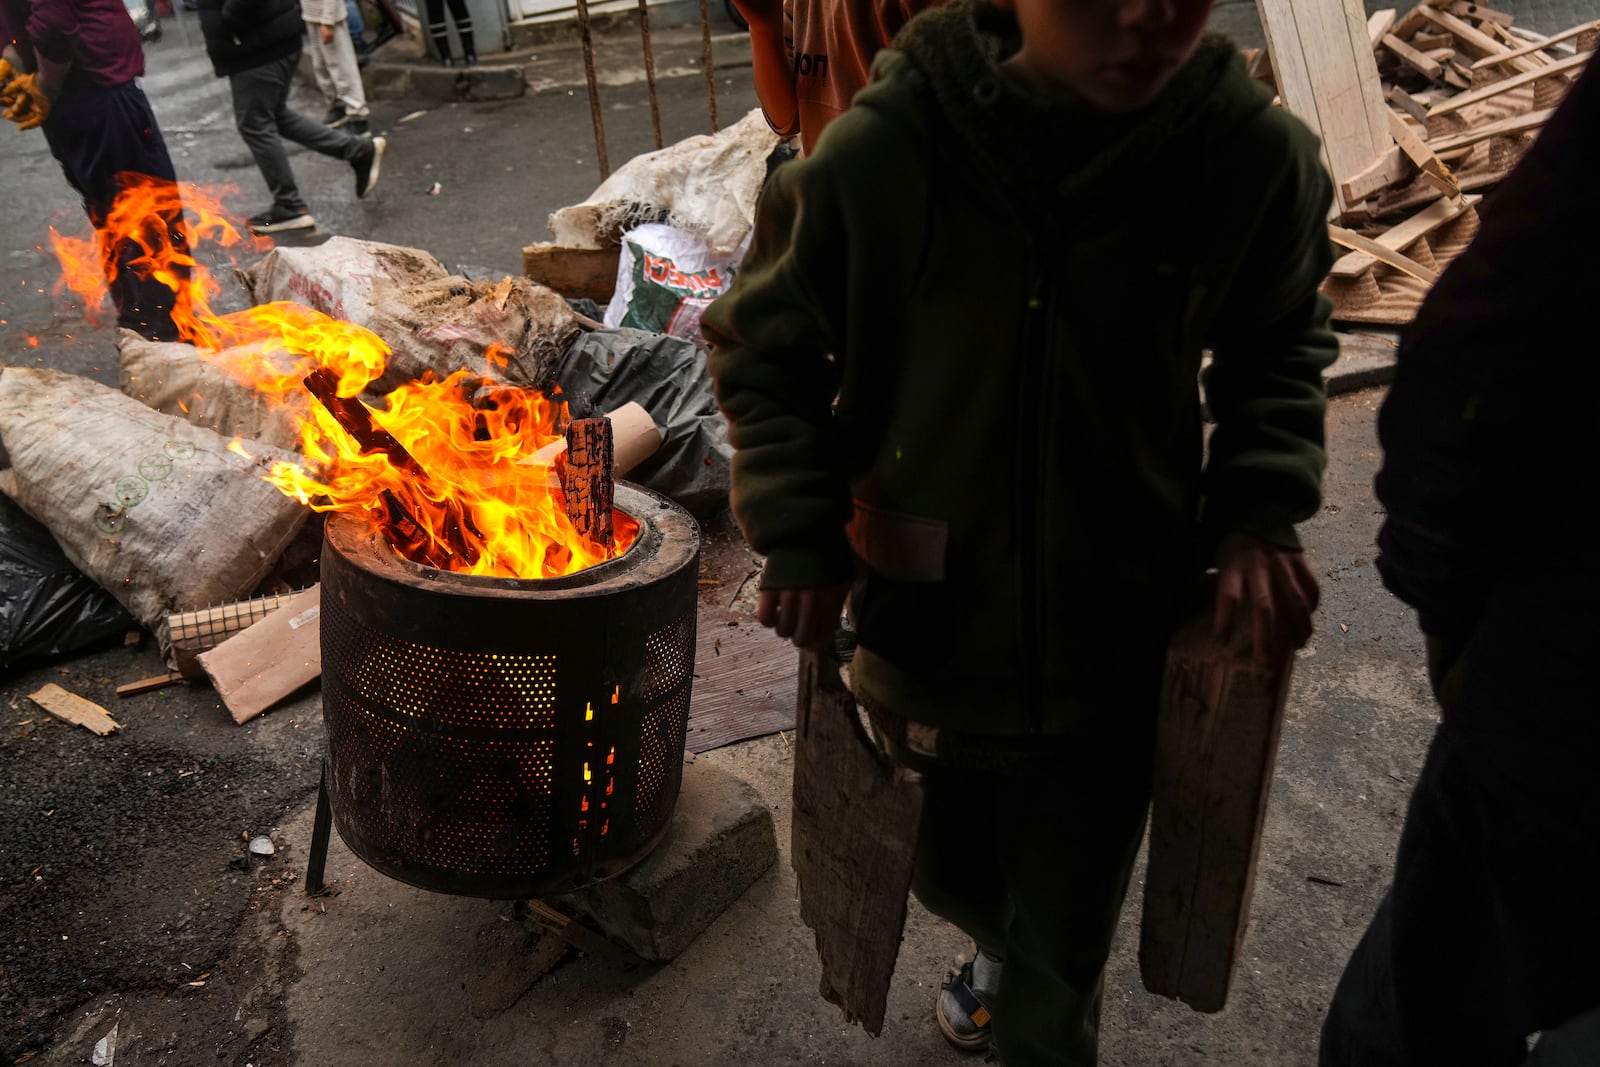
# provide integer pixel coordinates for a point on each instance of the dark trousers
(1034, 864)
(261, 113)
(439, 30)
(1489, 932)
(97, 133)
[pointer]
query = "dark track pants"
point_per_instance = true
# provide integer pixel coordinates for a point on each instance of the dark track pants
(1034, 865)
(97, 133)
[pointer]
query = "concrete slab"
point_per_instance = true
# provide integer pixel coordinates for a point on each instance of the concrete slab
(720, 842)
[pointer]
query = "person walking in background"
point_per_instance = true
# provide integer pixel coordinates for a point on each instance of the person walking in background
(256, 45)
(334, 64)
(1489, 931)
(70, 69)
(439, 30)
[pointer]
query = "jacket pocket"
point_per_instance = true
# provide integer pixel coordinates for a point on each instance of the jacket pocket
(903, 548)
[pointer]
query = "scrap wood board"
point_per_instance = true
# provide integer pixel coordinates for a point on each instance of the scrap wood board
(745, 681)
(75, 709)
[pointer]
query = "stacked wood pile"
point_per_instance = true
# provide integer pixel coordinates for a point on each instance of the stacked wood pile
(1424, 112)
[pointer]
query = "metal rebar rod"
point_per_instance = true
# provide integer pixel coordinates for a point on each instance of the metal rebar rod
(705, 48)
(650, 70)
(594, 90)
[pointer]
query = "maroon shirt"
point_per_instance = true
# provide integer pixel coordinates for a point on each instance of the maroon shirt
(97, 37)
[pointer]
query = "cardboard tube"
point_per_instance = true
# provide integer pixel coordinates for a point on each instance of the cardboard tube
(633, 432)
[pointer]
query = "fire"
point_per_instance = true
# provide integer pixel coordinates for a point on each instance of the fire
(458, 485)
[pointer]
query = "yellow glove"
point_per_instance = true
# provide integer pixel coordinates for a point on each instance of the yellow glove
(29, 106)
(5, 76)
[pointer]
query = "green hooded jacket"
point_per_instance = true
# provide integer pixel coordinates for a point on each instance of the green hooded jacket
(960, 364)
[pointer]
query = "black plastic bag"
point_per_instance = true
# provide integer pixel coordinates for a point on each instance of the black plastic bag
(47, 607)
(604, 369)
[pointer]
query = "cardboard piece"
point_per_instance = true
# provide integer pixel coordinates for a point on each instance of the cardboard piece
(261, 665)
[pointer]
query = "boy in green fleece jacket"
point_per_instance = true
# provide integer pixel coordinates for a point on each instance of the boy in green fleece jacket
(960, 366)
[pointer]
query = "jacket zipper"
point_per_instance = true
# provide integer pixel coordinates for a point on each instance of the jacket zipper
(1031, 389)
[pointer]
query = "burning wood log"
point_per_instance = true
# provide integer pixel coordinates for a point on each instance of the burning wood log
(586, 478)
(412, 537)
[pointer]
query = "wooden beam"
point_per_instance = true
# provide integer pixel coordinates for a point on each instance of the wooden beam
(1471, 37)
(1473, 96)
(1536, 47)
(1389, 169)
(1467, 10)
(1414, 19)
(1421, 224)
(1406, 102)
(1417, 61)
(573, 272)
(75, 709)
(1405, 264)
(1380, 23)
(1423, 156)
(149, 685)
(1508, 127)
(1423, 41)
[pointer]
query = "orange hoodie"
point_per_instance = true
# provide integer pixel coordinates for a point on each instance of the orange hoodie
(812, 56)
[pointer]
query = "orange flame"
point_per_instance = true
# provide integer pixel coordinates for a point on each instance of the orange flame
(474, 441)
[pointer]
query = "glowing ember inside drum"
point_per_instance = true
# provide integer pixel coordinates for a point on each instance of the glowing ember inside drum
(508, 738)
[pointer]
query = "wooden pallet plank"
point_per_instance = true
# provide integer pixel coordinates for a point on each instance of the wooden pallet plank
(1475, 96)
(1469, 36)
(1417, 61)
(1506, 127)
(1405, 264)
(1380, 23)
(1435, 172)
(1537, 46)
(1322, 54)
(1421, 224)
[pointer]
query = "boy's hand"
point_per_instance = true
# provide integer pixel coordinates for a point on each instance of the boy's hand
(1270, 585)
(326, 33)
(807, 616)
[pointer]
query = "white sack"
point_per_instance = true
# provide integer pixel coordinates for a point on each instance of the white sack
(160, 513)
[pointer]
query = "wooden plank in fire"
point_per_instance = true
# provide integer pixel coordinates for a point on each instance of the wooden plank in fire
(586, 479)
(355, 418)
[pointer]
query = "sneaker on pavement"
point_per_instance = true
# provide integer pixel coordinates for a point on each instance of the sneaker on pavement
(335, 118)
(964, 999)
(367, 166)
(277, 220)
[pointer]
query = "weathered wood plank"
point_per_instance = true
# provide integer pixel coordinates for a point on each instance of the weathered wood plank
(70, 707)
(1537, 46)
(854, 838)
(1216, 745)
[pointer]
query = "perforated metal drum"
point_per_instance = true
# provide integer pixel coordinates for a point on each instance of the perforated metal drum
(506, 738)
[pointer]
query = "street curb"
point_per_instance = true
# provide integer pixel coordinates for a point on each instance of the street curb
(1366, 360)
(392, 80)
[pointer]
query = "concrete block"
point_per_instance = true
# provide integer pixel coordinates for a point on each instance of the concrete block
(730, 50)
(721, 840)
(445, 83)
